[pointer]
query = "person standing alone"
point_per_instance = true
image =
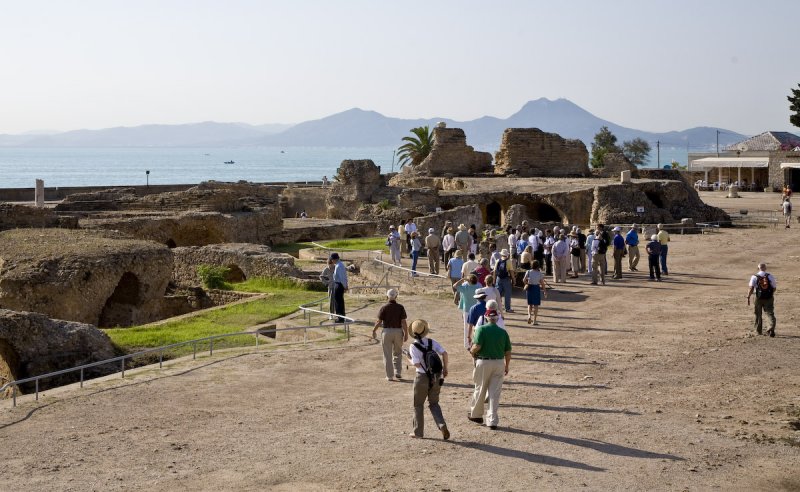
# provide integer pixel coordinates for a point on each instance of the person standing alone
(392, 316)
(339, 286)
(786, 206)
(763, 285)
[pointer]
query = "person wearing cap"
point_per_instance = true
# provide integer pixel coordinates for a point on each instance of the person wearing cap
(424, 388)
(653, 249)
(491, 347)
(663, 238)
(339, 286)
(560, 251)
(394, 245)
(502, 274)
(495, 305)
(475, 312)
(433, 244)
(599, 248)
(463, 240)
(765, 299)
(632, 240)
(466, 296)
(619, 251)
(575, 253)
(392, 316)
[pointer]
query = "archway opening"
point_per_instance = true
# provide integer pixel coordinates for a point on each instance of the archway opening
(542, 212)
(9, 365)
(655, 198)
(171, 243)
(119, 307)
(494, 213)
(235, 274)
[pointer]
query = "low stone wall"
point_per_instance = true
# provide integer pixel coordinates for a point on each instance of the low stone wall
(243, 260)
(14, 216)
(32, 344)
(222, 297)
(300, 230)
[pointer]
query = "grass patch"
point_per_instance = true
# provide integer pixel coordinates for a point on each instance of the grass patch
(370, 243)
(285, 298)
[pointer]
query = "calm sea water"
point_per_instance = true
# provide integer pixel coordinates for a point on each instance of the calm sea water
(20, 167)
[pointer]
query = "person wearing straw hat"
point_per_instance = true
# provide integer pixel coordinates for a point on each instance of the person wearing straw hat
(433, 244)
(392, 316)
(463, 240)
(425, 387)
(502, 275)
(491, 347)
(339, 286)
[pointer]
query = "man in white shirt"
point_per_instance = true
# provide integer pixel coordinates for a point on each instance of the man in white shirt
(763, 284)
(424, 387)
(410, 227)
(469, 266)
(560, 252)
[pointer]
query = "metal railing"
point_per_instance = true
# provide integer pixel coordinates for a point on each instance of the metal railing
(444, 281)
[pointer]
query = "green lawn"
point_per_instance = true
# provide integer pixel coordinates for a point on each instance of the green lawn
(240, 317)
(370, 243)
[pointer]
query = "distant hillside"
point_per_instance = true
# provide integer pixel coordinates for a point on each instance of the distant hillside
(359, 128)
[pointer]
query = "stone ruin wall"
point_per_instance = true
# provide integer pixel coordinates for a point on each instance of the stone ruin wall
(244, 260)
(613, 164)
(14, 216)
(32, 344)
(529, 152)
(450, 154)
(354, 184)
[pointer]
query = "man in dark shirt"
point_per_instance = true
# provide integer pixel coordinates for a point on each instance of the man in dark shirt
(619, 250)
(653, 249)
(395, 331)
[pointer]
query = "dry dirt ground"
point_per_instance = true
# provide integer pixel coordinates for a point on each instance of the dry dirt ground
(630, 386)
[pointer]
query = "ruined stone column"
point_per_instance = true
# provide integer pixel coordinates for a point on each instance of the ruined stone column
(39, 195)
(625, 177)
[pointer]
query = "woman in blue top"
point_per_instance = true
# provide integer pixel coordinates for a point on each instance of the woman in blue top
(534, 289)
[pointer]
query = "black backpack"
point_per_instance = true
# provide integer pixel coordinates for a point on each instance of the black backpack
(764, 288)
(431, 361)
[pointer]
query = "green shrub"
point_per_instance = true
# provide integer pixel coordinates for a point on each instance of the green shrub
(213, 277)
(384, 204)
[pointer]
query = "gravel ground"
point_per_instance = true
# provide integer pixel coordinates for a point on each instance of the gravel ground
(630, 386)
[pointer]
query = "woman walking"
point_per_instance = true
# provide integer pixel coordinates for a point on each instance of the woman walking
(416, 249)
(534, 290)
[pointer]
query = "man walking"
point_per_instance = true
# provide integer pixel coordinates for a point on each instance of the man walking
(339, 286)
(426, 383)
(502, 277)
(786, 207)
(560, 251)
(433, 244)
(653, 249)
(764, 286)
(491, 347)
(619, 250)
(599, 248)
(632, 240)
(663, 238)
(392, 316)
(463, 240)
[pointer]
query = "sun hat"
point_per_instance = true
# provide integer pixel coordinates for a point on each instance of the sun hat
(654, 237)
(491, 313)
(462, 227)
(419, 328)
(572, 234)
(504, 253)
(334, 256)
(391, 227)
(660, 226)
(616, 229)
(391, 293)
(633, 226)
(430, 230)
(480, 293)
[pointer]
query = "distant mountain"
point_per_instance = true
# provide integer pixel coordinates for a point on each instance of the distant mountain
(360, 128)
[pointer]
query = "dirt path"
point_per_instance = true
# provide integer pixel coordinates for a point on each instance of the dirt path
(635, 385)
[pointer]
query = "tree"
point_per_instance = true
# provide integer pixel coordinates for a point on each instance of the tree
(604, 142)
(416, 148)
(636, 150)
(794, 99)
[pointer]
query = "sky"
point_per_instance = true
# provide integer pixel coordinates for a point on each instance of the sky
(651, 65)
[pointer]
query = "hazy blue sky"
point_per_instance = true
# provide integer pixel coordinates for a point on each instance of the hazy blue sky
(648, 64)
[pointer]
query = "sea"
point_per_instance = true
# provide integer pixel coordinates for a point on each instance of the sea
(20, 167)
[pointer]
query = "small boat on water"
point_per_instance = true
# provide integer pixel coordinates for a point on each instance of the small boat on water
(229, 162)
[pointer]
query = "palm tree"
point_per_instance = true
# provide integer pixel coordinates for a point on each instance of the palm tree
(416, 148)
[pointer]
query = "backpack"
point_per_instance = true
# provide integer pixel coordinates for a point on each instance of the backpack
(502, 269)
(763, 287)
(432, 362)
(602, 248)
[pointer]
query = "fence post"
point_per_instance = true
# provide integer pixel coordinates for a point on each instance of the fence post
(37, 390)
(161, 359)
(81, 377)
(123, 367)
(211, 347)
(194, 351)
(14, 394)
(257, 333)
(305, 335)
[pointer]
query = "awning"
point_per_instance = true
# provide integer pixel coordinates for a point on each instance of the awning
(712, 162)
(790, 165)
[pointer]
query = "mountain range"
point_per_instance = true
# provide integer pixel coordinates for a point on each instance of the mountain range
(360, 128)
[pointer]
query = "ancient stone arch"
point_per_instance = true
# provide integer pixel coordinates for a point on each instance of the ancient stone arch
(494, 214)
(655, 198)
(120, 306)
(235, 274)
(541, 211)
(171, 243)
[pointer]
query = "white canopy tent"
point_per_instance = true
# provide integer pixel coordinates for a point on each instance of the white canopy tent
(708, 163)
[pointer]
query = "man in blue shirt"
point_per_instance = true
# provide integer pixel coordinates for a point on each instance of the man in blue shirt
(339, 286)
(475, 312)
(632, 240)
(619, 250)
